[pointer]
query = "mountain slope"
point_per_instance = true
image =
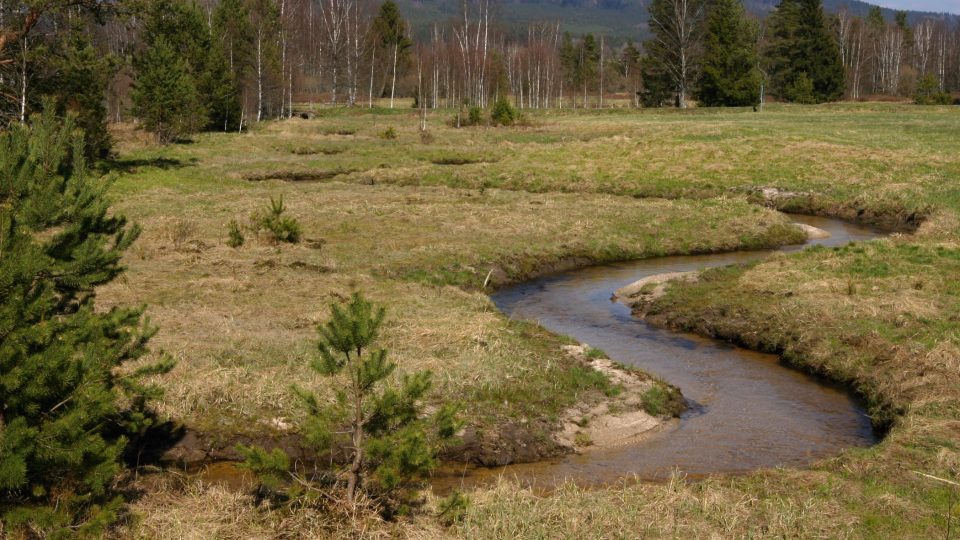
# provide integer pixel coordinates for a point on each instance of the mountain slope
(619, 20)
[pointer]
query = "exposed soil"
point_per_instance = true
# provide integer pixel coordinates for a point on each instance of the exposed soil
(891, 218)
(650, 288)
(612, 422)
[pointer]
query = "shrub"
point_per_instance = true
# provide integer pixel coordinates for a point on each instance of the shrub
(451, 510)
(376, 419)
(503, 114)
(928, 93)
(280, 227)
(235, 237)
(389, 134)
(475, 116)
(801, 90)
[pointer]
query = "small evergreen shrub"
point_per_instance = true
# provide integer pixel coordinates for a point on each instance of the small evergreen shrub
(451, 510)
(503, 113)
(475, 116)
(235, 237)
(280, 227)
(928, 93)
(801, 90)
(389, 134)
(377, 418)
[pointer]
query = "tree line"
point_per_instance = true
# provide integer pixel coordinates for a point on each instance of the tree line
(180, 66)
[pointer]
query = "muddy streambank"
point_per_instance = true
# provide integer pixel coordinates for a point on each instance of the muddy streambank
(589, 425)
(891, 218)
(747, 410)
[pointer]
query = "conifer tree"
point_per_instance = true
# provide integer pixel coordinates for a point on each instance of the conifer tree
(392, 31)
(729, 76)
(388, 443)
(568, 64)
(75, 77)
(587, 61)
(630, 62)
(220, 91)
(803, 53)
(165, 96)
(65, 404)
(234, 34)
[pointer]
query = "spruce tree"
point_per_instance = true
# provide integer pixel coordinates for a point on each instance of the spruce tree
(630, 62)
(729, 76)
(392, 32)
(568, 64)
(376, 417)
(587, 63)
(66, 399)
(220, 92)
(165, 96)
(803, 53)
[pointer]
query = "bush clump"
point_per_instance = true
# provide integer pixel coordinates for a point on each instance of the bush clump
(378, 417)
(503, 113)
(280, 227)
(235, 237)
(928, 93)
(389, 134)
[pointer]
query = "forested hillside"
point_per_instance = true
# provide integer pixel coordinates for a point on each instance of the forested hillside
(619, 19)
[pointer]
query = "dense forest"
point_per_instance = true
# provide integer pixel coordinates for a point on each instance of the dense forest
(178, 66)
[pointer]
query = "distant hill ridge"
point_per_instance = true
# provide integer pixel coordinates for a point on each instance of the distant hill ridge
(618, 20)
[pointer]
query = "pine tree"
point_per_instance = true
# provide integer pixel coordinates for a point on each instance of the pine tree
(77, 83)
(803, 49)
(388, 445)
(569, 65)
(729, 76)
(630, 62)
(234, 34)
(220, 91)
(165, 96)
(62, 412)
(391, 30)
(587, 67)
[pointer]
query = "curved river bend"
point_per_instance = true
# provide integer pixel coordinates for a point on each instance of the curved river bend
(746, 410)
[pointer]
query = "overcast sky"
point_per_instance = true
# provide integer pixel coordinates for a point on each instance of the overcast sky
(950, 6)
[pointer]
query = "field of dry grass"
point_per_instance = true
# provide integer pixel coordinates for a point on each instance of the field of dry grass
(397, 220)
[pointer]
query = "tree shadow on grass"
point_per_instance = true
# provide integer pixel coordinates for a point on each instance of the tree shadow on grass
(130, 166)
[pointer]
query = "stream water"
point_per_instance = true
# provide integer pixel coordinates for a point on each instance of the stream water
(746, 410)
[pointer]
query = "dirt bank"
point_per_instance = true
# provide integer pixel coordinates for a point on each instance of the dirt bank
(890, 217)
(615, 422)
(619, 419)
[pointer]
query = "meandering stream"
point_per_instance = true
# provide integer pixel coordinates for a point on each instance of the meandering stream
(746, 412)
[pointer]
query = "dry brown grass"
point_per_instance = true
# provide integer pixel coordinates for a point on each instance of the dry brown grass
(240, 321)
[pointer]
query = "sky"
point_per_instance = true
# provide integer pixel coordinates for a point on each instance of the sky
(949, 6)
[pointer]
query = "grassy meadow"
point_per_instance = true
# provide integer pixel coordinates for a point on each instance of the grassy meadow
(428, 224)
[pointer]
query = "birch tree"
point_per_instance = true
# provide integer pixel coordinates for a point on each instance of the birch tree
(675, 25)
